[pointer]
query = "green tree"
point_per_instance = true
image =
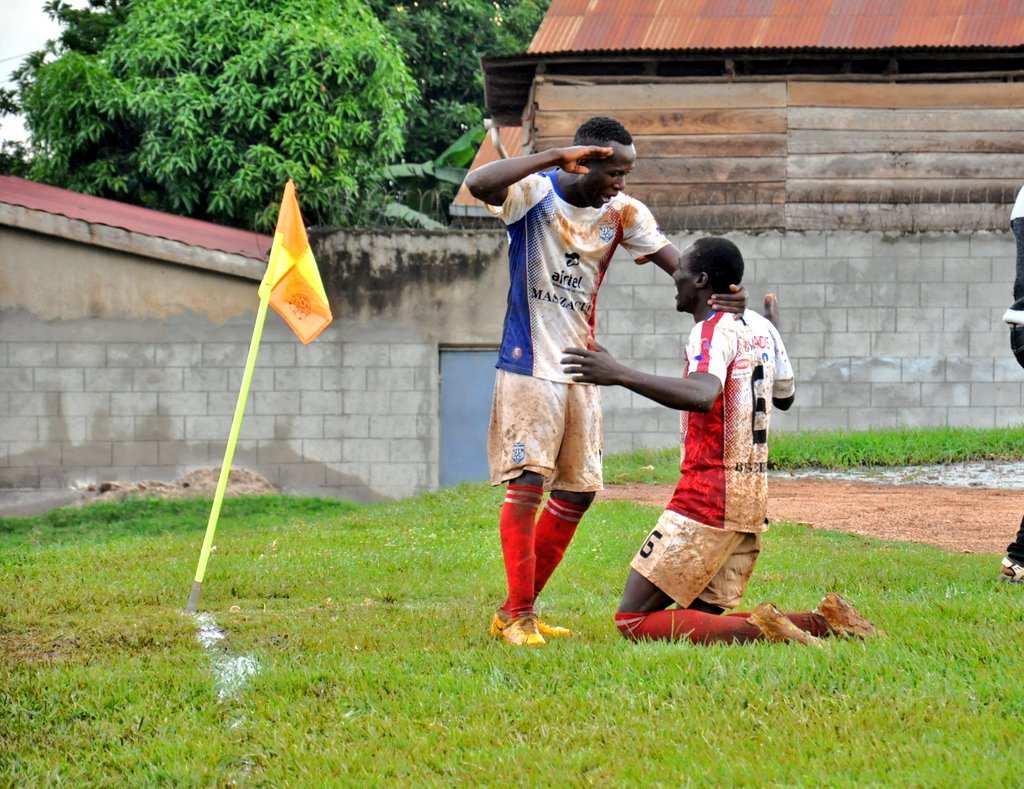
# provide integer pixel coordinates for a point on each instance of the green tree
(83, 29)
(423, 191)
(205, 109)
(443, 41)
(88, 29)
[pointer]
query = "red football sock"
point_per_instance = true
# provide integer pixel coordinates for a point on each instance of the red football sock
(517, 546)
(555, 527)
(807, 621)
(685, 624)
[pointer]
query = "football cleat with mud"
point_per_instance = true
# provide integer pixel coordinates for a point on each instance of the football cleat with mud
(776, 627)
(843, 618)
(502, 618)
(523, 632)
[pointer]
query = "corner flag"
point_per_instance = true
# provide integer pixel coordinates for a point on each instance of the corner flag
(292, 279)
(292, 286)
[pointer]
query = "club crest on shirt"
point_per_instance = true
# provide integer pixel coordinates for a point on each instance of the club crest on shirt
(606, 231)
(518, 453)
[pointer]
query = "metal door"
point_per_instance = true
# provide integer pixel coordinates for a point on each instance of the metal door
(467, 385)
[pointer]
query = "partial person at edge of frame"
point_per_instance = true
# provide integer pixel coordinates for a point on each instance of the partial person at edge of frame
(1012, 567)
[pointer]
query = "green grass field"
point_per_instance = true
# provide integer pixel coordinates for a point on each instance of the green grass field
(364, 634)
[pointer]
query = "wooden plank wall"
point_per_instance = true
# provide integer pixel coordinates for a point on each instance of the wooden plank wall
(894, 156)
(806, 155)
(710, 156)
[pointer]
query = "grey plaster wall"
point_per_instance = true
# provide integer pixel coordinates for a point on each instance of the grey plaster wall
(119, 365)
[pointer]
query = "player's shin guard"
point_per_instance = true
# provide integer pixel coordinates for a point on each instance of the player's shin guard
(686, 625)
(517, 546)
(555, 529)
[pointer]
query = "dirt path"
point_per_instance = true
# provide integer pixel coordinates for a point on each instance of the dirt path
(965, 520)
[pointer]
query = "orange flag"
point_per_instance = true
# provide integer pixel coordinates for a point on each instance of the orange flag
(292, 280)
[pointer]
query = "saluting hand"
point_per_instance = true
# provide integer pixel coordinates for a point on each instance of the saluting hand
(573, 157)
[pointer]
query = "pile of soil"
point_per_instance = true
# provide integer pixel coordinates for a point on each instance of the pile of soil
(199, 483)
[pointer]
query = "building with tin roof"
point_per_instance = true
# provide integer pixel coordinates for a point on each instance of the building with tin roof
(783, 114)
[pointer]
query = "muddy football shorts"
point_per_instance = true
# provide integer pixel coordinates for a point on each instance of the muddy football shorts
(688, 560)
(553, 429)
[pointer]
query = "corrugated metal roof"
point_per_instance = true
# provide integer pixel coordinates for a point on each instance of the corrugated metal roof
(133, 218)
(610, 25)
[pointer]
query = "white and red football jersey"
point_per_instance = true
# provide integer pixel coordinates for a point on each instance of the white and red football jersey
(558, 255)
(724, 461)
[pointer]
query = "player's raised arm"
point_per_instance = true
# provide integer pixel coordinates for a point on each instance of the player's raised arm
(490, 183)
(697, 392)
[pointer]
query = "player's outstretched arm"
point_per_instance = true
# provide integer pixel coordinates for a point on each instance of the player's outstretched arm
(697, 392)
(666, 258)
(490, 183)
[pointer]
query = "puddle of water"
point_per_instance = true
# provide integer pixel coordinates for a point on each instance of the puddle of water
(982, 474)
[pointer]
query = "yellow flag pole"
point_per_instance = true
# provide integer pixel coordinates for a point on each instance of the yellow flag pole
(229, 452)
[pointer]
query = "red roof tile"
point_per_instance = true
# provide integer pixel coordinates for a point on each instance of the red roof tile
(135, 219)
(608, 25)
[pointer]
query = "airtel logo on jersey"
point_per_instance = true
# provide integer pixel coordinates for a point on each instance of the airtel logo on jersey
(566, 280)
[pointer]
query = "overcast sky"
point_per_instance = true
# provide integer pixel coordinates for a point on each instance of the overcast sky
(25, 28)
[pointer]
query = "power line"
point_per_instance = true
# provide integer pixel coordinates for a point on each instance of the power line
(15, 57)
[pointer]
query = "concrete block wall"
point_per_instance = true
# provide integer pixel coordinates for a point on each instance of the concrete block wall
(352, 415)
(884, 331)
